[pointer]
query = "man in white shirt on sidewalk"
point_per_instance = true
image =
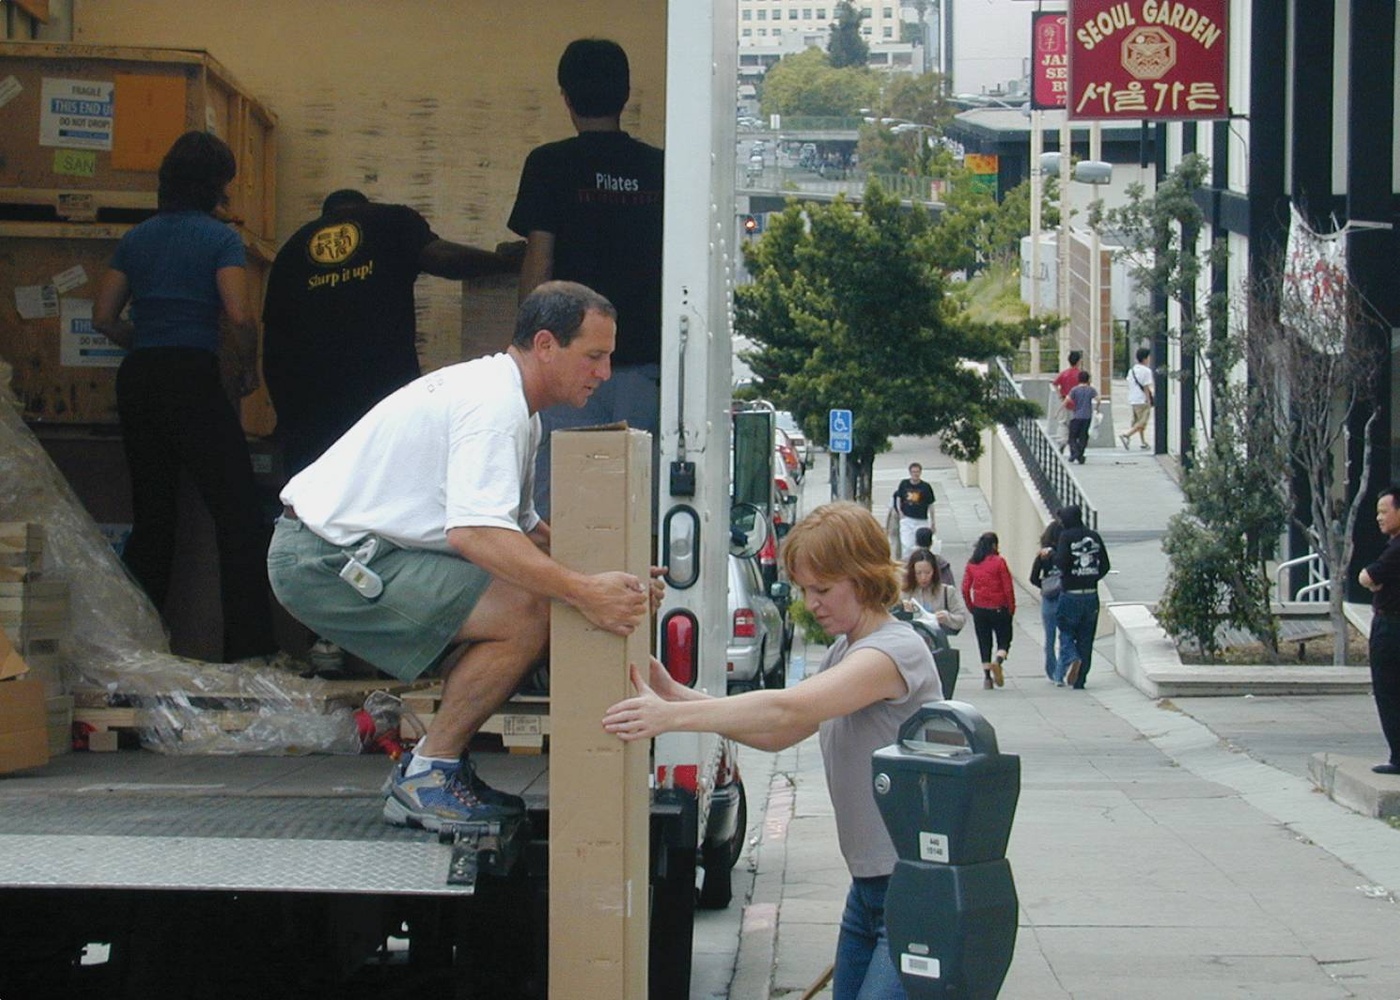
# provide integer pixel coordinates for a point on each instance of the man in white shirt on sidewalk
(1139, 398)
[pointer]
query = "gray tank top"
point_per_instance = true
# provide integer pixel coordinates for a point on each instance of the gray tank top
(848, 742)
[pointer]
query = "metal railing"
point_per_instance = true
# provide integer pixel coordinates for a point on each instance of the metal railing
(1048, 468)
(1319, 585)
(795, 181)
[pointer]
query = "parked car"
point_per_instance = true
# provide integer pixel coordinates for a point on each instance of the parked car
(758, 636)
(782, 446)
(787, 423)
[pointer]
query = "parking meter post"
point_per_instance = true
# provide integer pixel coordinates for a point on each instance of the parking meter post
(948, 797)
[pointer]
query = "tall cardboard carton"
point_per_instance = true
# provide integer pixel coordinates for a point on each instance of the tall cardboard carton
(24, 740)
(599, 798)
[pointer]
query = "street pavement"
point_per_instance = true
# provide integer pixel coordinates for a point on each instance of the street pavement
(1160, 848)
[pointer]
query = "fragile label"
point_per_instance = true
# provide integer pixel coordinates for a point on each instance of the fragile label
(66, 281)
(9, 89)
(76, 114)
(75, 162)
(36, 301)
(80, 346)
(933, 847)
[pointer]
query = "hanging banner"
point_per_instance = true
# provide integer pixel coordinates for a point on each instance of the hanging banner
(1049, 59)
(1147, 59)
(1314, 294)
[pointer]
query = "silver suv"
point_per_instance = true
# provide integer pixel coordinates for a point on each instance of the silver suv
(759, 633)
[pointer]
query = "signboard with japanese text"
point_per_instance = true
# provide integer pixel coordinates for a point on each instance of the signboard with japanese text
(1049, 59)
(1147, 59)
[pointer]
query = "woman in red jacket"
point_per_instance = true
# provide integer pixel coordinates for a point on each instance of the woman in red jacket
(987, 588)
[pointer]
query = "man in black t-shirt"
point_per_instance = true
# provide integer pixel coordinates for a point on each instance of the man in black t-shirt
(1382, 578)
(590, 210)
(913, 498)
(339, 332)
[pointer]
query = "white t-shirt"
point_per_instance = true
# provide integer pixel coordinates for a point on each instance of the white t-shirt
(454, 448)
(1139, 381)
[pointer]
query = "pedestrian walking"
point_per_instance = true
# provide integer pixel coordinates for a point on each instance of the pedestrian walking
(1063, 383)
(874, 677)
(1082, 559)
(1046, 577)
(1139, 398)
(988, 591)
(1382, 578)
(913, 498)
(928, 597)
(1082, 403)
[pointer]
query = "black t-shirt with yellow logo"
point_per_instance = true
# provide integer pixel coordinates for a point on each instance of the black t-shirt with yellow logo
(339, 321)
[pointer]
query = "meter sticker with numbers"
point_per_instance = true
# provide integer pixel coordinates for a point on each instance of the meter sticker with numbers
(933, 847)
(920, 965)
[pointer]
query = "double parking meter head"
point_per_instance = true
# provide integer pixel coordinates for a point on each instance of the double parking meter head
(948, 796)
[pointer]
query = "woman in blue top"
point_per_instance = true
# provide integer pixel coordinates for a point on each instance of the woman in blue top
(182, 270)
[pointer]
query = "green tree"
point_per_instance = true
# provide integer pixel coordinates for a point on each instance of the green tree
(887, 148)
(806, 84)
(846, 47)
(848, 310)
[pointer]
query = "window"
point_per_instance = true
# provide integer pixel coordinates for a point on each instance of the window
(888, 12)
(747, 33)
(866, 12)
(792, 14)
(777, 32)
(865, 30)
(806, 13)
(763, 15)
(763, 32)
(888, 31)
(821, 13)
(747, 15)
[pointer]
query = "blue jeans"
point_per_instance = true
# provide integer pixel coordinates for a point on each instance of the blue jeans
(1077, 618)
(1049, 607)
(864, 967)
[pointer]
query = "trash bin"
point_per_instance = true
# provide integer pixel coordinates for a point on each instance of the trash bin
(948, 796)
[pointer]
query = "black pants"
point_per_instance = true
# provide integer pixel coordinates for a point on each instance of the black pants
(175, 417)
(992, 625)
(1078, 438)
(1385, 679)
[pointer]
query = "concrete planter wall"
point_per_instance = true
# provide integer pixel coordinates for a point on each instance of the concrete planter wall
(1148, 660)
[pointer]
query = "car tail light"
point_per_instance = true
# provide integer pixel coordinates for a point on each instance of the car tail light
(768, 555)
(679, 635)
(745, 623)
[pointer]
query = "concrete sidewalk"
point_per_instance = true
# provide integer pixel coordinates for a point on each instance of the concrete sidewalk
(1161, 849)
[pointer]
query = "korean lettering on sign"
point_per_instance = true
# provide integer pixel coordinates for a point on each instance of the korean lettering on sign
(1153, 59)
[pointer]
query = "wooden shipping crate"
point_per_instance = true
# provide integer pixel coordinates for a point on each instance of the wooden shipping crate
(86, 126)
(21, 551)
(63, 373)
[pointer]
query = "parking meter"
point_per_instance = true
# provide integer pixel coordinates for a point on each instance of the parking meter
(948, 796)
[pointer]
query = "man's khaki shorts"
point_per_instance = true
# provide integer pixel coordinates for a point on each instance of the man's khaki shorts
(405, 630)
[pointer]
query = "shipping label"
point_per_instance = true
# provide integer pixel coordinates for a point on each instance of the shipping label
(76, 114)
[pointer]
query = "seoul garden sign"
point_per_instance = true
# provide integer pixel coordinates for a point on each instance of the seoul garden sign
(1147, 59)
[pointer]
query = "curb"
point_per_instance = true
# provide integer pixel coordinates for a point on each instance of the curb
(1148, 660)
(1350, 782)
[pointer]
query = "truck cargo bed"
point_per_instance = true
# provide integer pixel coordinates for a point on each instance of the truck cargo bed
(136, 819)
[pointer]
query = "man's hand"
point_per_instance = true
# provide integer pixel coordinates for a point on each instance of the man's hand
(614, 601)
(658, 587)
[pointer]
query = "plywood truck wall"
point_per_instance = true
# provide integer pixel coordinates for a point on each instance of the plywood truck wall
(432, 103)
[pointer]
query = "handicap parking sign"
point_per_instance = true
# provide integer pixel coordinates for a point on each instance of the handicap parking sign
(839, 431)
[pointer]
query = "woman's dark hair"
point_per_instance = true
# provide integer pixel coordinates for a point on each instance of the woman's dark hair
(195, 173)
(1050, 537)
(986, 544)
(921, 556)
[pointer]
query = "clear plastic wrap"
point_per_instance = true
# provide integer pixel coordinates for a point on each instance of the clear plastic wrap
(116, 641)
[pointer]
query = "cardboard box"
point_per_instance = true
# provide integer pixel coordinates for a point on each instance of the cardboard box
(24, 725)
(11, 663)
(598, 785)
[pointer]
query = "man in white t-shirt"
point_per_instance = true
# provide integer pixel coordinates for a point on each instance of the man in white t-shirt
(413, 542)
(1139, 398)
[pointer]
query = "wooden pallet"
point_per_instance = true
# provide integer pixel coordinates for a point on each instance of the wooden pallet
(114, 712)
(522, 724)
